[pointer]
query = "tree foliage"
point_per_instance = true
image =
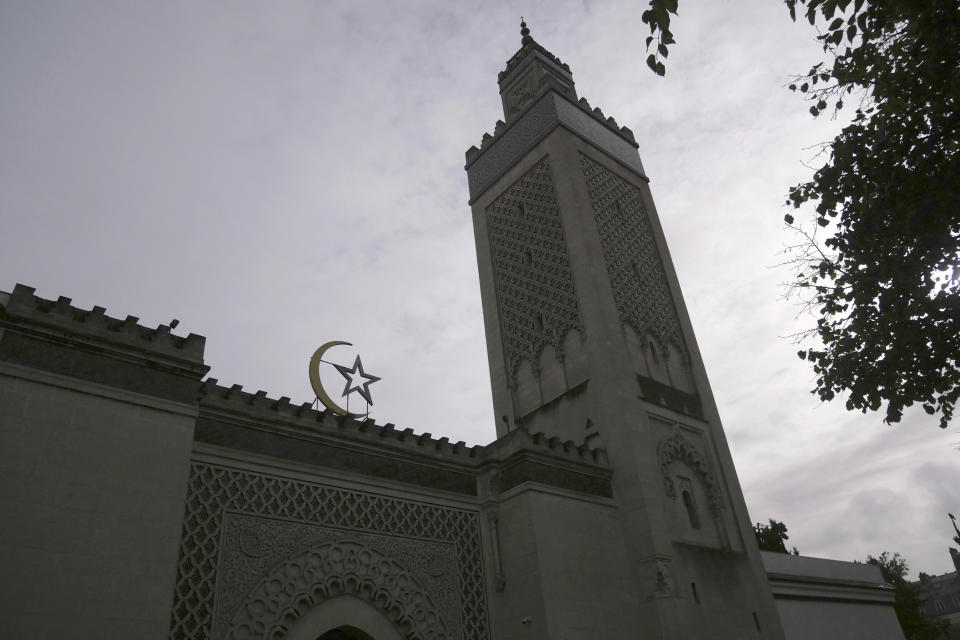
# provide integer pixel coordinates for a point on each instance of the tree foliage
(773, 537)
(880, 268)
(658, 19)
(915, 625)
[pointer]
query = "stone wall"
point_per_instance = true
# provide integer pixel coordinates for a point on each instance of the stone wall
(820, 598)
(92, 488)
(96, 429)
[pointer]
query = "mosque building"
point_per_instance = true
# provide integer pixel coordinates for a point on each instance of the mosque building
(146, 501)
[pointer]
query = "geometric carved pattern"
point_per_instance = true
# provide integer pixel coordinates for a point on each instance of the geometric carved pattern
(657, 574)
(209, 594)
(536, 299)
(308, 578)
(676, 447)
(633, 263)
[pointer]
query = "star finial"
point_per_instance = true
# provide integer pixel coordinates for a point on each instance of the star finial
(525, 38)
(357, 380)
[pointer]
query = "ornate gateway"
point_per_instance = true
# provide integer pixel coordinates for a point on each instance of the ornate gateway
(258, 551)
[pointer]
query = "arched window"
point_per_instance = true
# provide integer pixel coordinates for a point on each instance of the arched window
(691, 509)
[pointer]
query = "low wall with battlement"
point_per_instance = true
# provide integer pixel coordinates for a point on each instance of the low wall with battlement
(114, 451)
(96, 431)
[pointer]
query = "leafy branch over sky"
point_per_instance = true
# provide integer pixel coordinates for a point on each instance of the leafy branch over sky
(878, 264)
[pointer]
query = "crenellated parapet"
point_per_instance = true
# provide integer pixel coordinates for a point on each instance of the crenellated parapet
(609, 121)
(500, 127)
(254, 422)
(261, 409)
(61, 315)
(522, 439)
(541, 116)
(257, 406)
(55, 337)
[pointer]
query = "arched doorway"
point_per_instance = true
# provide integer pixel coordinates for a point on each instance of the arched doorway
(346, 632)
(344, 618)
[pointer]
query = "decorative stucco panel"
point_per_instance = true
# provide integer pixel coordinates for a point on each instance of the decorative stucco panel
(257, 551)
(634, 264)
(536, 298)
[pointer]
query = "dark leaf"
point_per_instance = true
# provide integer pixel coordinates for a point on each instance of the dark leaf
(652, 62)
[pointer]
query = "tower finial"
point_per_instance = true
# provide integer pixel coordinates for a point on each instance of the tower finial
(524, 33)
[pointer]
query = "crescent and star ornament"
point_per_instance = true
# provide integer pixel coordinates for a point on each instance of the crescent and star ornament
(358, 380)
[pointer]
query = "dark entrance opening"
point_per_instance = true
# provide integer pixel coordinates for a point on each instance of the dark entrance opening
(345, 632)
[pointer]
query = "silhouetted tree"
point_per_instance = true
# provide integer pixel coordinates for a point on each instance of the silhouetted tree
(885, 281)
(915, 625)
(772, 537)
(953, 520)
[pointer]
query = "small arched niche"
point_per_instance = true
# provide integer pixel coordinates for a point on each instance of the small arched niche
(574, 358)
(656, 358)
(691, 514)
(552, 379)
(344, 618)
(636, 349)
(681, 377)
(526, 396)
(693, 517)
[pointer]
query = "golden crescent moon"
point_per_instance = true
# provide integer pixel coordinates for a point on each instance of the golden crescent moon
(318, 386)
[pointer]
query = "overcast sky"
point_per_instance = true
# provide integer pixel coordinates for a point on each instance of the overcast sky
(278, 174)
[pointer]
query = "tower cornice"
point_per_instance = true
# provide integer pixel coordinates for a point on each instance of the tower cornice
(552, 109)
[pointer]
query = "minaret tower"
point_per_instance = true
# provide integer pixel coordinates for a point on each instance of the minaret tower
(589, 339)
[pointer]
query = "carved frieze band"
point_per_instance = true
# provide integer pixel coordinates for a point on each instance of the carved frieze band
(255, 544)
(677, 448)
(536, 298)
(634, 266)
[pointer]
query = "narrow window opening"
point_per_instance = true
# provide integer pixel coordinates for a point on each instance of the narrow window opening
(691, 510)
(696, 596)
(528, 257)
(521, 209)
(756, 621)
(540, 322)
